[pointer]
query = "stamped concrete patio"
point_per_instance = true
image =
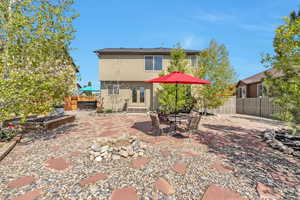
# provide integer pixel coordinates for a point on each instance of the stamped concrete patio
(227, 160)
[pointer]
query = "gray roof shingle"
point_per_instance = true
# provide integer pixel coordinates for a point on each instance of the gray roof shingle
(258, 77)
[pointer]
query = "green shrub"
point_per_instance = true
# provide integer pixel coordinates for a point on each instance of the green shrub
(108, 111)
(7, 134)
(99, 111)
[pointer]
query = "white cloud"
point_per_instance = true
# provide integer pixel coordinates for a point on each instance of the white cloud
(258, 27)
(217, 18)
(214, 17)
(188, 41)
(192, 41)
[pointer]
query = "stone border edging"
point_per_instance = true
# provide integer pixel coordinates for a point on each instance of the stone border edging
(269, 137)
(15, 140)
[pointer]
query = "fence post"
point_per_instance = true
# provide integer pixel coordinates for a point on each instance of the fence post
(260, 113)
(243, 105)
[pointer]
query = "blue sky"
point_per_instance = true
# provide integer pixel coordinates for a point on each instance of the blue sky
(245, 27)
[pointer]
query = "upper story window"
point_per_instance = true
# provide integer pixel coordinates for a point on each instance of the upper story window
(153, 63)
(113, 89)
(193, 60)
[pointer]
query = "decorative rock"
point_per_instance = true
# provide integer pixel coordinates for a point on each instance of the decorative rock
(289, 151)
(124, 154)
(139, 163)
(95, 148)
(135, 146)
(20, 182)
(266, 192)
(117, 148)
(143, 146)
(130, 152)
(104, 148)
(123, 148)
(163, 186)
(268, 135)
(298, 191)
(116, 157)
(215, 192)
(128, 193)
(296, 153)
(283, 141)
(179, 168)
(93, 179)
(140, 153)
(98, 158)
(104, 154)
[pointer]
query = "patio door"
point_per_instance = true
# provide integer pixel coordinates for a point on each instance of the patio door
(138, 96)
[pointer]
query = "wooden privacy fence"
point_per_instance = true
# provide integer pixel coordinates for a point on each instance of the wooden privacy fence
(257, 106)
(229, 107)
(74, 102)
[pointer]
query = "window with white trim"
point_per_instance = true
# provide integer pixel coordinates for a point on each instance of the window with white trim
(193, 60)
(261, 90)
(242, 92)
(113, 89)
(153, 63)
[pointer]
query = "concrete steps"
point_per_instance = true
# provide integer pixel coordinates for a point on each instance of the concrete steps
(137, 109)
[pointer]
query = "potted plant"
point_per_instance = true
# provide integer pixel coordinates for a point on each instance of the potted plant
(59, 107)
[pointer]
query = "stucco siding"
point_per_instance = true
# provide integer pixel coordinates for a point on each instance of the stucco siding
(127, 68)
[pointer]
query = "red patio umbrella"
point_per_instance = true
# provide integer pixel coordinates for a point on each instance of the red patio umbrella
(178, 78)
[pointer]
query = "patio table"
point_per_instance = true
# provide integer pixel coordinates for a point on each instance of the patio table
(180, 117)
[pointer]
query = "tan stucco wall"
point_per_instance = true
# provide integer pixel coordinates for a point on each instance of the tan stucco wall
(126, 68)
(118, 102)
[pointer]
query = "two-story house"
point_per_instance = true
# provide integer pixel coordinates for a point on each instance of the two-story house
(123, 72)
(252, 87)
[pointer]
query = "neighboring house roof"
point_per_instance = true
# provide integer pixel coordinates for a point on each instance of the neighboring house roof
(143, 51)
(258, 77)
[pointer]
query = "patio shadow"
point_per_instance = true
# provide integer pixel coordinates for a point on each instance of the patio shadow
(145, 127)
(250, 156)
(31, 136)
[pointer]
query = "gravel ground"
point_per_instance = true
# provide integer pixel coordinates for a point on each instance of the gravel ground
(234, 140)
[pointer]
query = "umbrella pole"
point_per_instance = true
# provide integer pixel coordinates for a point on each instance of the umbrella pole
(175, 108)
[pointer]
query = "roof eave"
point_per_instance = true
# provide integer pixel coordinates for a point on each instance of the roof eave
(99, 53)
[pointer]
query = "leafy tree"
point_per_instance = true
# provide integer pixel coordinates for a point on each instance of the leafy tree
(214, 66)
(88, 93)
(36, 70)
(166, 95)
(286, 60)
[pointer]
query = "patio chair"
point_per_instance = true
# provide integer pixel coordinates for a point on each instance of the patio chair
(157, 128)
(185, 123)
(193, 124)
(193, 112)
